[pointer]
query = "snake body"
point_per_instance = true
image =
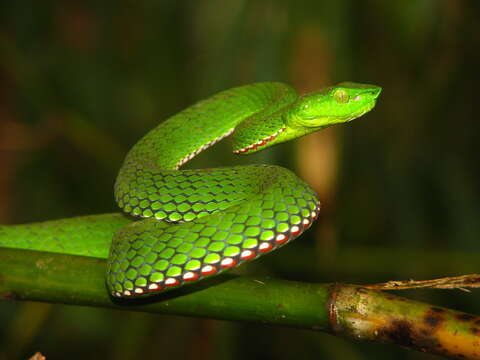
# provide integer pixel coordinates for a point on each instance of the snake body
(197, 223)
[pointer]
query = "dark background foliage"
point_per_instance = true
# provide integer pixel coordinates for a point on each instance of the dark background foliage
(80, 82)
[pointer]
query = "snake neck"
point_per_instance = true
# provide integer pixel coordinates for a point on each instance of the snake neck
(264, 128)
(258, 132)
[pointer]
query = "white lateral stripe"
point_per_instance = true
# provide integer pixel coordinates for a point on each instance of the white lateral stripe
(203, 147)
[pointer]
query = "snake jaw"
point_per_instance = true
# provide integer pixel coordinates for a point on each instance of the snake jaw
(260, 143)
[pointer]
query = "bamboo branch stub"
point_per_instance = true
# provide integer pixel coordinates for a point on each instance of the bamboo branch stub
(370, 315)
(461, 282)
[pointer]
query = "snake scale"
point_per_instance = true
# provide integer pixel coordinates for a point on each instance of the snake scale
(198, 223)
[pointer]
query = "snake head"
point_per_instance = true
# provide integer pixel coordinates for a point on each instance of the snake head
(334, 105)
(306, 114)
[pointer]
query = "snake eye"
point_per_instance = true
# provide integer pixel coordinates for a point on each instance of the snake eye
(341, 96)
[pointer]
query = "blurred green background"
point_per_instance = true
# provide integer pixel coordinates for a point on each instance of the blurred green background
(81, 82)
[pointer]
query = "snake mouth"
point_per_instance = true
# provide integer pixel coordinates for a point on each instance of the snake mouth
(260, 143)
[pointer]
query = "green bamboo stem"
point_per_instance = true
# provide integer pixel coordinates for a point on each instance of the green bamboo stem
(340, 309)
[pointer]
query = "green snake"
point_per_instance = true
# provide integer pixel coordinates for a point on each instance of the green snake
(198, 223)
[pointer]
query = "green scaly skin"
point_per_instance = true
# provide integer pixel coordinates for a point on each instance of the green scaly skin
(198, 223)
